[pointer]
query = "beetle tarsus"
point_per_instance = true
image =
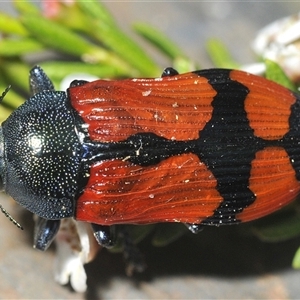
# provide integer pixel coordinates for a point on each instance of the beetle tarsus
(194, 228)
(133, 257)
(169, 72)
(44, 233)
(105, 235)
(4, 93)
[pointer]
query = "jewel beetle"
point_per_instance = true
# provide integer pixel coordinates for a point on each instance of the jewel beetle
(208, 147)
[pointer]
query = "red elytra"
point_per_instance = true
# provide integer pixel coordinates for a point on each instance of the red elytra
(218, 113)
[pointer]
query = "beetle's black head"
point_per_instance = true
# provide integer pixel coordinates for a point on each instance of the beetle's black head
(40, 152)
(41, 156)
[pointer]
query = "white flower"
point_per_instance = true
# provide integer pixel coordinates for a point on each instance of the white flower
(280, 42)
(75, 246)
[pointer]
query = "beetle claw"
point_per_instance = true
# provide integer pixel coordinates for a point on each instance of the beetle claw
(105, 235)
(194, 228)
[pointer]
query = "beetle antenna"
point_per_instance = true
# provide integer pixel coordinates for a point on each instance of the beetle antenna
(3, 210)
(4, 93)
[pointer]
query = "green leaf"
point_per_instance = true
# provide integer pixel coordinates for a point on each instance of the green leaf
(60, 38)
(220, 55)
(167, 233)
(10, 25)
(136, 233)
(25, 7)
(57, 70)
(113, 38)
(287, 226)
(96, 10)
(13, 47)
(56, 36)
(296, 259)
(275, 73)
(180, 60)
(4, 113)
(77, 19)
(16, 73)
(11, 101)
(160, 40)
(183, 65)
(127, 49)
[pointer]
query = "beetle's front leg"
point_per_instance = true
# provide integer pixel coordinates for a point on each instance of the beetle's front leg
(105, 235)
(44, 233)
(134, 259)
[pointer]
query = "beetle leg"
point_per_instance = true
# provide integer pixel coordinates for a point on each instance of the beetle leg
(169, 72)
(78, 83)
(105, 235)
(194, 228)
(132, 255)
(44, 233)
(39, 81)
